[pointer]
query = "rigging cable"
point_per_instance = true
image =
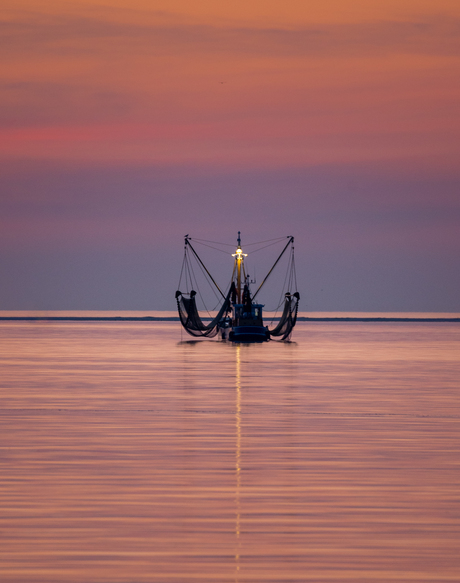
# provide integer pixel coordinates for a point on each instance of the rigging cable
(199, 291)
(264, 247)
(189, 272)
(290, 242)
(182, 268)
(187, 242)
(278, 239)
(210, 246)
(231, 245)
(215, 242)
(283, 289)
(209, 283)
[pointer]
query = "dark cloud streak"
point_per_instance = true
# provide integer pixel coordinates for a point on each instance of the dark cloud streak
(65, 36)
(34, 103)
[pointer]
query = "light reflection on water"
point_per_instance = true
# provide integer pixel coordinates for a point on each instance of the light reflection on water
(128, 455)
(238, 453)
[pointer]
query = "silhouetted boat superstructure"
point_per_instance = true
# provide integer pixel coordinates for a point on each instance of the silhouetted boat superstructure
(240, 317)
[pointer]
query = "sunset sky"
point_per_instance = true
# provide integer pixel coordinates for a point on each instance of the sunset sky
(126, 125)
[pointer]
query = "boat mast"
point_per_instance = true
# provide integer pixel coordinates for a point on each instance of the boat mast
(238, 268)
(239, 255)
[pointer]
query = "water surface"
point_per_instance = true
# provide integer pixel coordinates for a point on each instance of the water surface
(130, 453)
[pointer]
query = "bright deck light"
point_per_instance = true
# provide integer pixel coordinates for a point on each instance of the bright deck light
(239, 253)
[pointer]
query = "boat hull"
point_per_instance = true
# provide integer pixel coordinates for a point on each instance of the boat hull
(249, 334)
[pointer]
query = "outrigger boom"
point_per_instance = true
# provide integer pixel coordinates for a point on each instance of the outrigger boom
(239, 318)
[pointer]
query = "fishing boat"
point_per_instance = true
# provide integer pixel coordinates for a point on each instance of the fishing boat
(240, 316)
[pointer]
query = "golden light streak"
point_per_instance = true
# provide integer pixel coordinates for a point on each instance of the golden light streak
(238, 459)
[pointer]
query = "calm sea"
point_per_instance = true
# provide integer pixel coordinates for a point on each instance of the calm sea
(130, 453)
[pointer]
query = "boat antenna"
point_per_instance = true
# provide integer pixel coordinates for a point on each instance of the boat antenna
(187, 242)
(290, 242)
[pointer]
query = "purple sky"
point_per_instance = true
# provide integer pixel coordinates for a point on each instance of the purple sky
(106, 238)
